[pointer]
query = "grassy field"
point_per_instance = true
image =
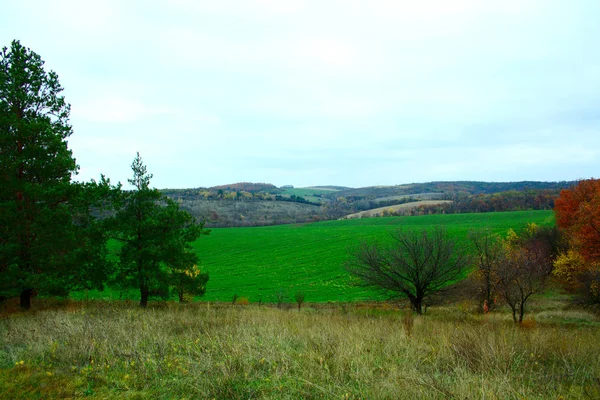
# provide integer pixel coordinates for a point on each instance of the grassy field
(116, 350)
(309, 194)
(257, 263)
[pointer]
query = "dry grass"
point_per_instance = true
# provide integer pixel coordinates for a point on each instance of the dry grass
(117, 350)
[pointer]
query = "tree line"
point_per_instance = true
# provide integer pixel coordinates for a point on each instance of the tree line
(428, 265)
(51, 241)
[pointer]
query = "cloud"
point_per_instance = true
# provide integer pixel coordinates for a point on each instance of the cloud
(324, 92)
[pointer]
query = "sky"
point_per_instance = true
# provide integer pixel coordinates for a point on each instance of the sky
(304, 93)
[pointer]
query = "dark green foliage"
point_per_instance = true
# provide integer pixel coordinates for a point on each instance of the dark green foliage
(45, 230)
(156, 239)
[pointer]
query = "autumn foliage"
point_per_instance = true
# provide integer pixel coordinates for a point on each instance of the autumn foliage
(577, 213)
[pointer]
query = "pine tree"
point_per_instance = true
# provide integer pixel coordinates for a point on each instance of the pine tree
(36, 166)
(156, 237)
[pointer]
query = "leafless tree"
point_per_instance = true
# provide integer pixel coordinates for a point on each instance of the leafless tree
(488, 253)
(418, 264)
(523, 272)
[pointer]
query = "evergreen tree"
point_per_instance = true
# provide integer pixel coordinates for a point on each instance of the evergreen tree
(39, 237)
(156, 239)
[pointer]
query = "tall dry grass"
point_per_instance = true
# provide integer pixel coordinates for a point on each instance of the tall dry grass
(117, 350)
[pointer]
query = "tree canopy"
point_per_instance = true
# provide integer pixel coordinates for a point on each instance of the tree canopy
(417, 265)
(577, 213)
(39, 238)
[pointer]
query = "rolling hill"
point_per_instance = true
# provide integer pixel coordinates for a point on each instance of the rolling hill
(258, 204)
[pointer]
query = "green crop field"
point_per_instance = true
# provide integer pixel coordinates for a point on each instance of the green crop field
(259, 262)
(308, 193)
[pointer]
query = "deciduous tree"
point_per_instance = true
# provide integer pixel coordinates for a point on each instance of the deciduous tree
(488, 254)
(577, 213)
(523, 269)
(417, 264)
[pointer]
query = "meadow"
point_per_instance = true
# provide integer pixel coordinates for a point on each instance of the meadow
(116, 350)
(334, 347)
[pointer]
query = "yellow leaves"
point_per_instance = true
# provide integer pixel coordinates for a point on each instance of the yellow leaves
(568, 266)
(531, 229)
(192, 272)
(511, 236)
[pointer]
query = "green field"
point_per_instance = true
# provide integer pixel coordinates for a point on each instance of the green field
(259, 262)
(309, 194)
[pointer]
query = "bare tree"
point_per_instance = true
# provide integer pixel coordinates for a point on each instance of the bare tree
(488, 253)
(522, 272)
(418, 264)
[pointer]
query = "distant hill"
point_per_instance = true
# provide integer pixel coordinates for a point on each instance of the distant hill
(252, 204)
(443, 187)
(222, 213)
(245, 186)
(329, 187)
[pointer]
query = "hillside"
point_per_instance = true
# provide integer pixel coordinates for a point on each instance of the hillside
(396, 210)
(258, 204)
(468, 187)
(219, 213)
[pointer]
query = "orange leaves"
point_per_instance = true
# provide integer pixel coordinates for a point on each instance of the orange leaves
(577, 212)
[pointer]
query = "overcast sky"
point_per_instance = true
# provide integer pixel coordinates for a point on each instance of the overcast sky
(353, 93)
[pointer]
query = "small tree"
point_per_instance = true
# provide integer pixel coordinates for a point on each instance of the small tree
(299, 297)
(188, 282)
(418, 264)
(156, 238)
(489, 252)
(523, 269)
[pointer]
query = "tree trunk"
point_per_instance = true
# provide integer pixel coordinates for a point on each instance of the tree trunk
(418, 306)
(521, 311)
(514, 313)
(25, 298)
(180, 294)
(144, 292)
